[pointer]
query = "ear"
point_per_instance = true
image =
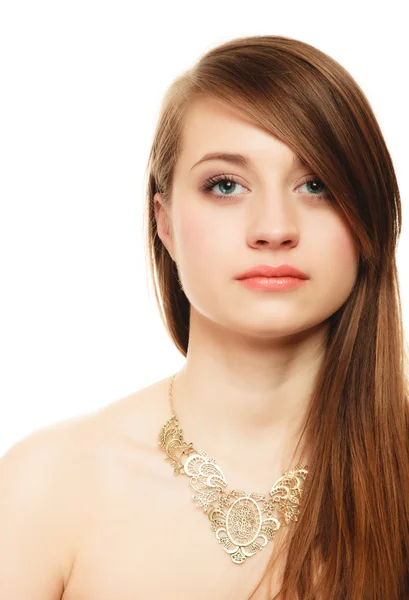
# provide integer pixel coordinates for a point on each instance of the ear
(163, 224)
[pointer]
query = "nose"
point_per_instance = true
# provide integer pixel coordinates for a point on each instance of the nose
(273, 222)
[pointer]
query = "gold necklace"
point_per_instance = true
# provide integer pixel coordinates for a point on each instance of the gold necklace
(243, 523)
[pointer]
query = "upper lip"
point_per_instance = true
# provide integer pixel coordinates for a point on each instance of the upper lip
(270, 271)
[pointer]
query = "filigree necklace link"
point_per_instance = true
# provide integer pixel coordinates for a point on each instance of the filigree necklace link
(243, 523)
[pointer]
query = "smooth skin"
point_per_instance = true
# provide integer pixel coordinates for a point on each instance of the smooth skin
(38, 499)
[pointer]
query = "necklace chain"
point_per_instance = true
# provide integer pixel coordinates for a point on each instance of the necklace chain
(243, 523)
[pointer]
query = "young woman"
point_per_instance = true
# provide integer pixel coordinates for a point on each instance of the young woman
(275, 463)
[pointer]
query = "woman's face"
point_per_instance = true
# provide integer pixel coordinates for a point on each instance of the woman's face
(269, 213)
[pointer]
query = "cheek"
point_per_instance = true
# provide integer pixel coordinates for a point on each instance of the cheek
(337, 258)
(199, 237)
(199, 246)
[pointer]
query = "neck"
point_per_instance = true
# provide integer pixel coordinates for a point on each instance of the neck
(244, 402)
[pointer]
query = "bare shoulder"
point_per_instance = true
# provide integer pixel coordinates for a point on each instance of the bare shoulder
(135, 417)
(53, 480)
(63, 456)
(38, 499)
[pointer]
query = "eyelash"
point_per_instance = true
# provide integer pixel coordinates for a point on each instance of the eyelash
(215, 179)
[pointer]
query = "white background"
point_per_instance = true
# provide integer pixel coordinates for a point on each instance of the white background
(80, 88)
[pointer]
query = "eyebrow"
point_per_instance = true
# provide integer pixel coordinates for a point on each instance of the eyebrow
(242, 160)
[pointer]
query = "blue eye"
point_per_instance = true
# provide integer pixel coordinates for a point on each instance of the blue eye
(231, 182)
(314, 182)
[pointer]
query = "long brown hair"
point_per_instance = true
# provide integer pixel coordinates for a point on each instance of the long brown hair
(354, 518)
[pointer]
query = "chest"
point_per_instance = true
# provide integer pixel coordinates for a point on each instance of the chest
(144, 537)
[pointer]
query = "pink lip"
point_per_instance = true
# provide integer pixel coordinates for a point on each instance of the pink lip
(272, 283)
(270, 272)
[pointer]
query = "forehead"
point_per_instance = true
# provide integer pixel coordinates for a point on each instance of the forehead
(211, 126)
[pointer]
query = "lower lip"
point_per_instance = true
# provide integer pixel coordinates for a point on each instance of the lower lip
(272, 283)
